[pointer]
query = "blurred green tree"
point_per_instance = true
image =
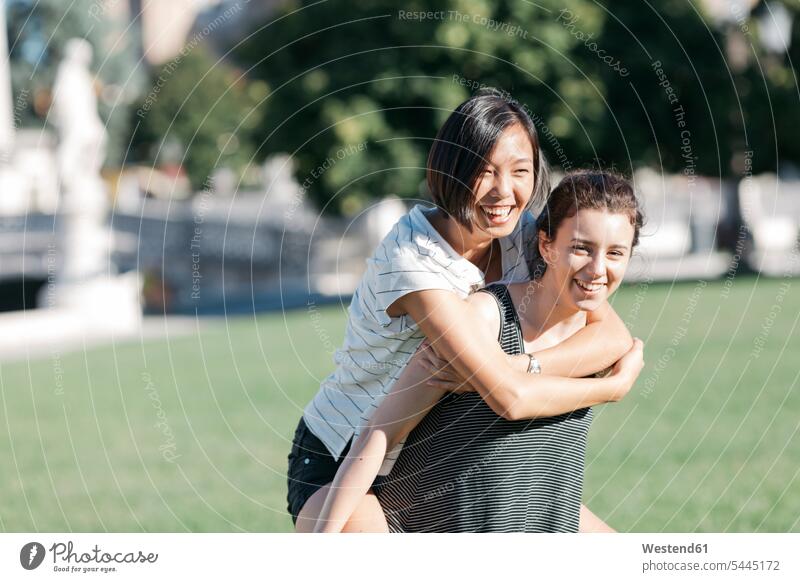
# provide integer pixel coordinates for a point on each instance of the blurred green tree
(206, 108)
(388, 75)
(771, 99)
(610, 83)
(702, 93)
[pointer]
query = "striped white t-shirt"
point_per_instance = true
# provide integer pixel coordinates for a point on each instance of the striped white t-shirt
(412, 257)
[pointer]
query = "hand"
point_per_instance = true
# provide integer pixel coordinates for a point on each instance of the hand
(442, 375)
(626, 370)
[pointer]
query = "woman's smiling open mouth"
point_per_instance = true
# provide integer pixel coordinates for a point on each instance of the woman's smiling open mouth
(589, 288)
(497, 214)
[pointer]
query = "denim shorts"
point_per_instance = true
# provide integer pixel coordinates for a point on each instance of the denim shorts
(311, 467)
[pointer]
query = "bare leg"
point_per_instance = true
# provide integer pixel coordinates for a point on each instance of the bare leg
(368, 516)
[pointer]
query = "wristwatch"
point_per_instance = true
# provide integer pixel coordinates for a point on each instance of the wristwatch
(534, 367)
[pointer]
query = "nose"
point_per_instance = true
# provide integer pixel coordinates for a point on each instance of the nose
(504, 185)
(597, 266)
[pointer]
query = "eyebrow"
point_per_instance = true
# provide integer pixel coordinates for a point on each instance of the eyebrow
(512, 162)
(590, 243)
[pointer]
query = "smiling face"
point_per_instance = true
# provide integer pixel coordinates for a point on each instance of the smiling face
(504, 188)
(589, 256)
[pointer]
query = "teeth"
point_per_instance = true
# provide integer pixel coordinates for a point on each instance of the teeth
(497, 210)
(589, 286)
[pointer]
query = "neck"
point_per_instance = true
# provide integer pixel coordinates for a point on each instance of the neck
(548, 309)
(473, 246)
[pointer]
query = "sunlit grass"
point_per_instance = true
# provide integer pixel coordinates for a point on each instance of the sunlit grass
(192, 433)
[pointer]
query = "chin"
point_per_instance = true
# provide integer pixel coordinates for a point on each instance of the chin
(589, 304)
(504, 230)
(590, 301)
(584, 303)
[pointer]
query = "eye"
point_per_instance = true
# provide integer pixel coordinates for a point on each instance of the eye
(619, 254)
(522, 171)
(579, 249)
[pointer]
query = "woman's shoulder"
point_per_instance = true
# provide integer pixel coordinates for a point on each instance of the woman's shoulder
(411, 240)
(486, 307)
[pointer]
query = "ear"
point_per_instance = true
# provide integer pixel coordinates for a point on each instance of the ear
(547, 249)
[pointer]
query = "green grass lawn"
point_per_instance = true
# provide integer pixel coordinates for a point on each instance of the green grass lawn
(192, 433)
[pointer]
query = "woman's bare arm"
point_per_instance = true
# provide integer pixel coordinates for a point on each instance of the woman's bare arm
(455, 331)
(594, 348)
(590, 523)
(398, 413)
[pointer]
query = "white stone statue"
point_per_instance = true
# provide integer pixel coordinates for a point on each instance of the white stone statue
(74, 112)
(81, 151)
(85, 300)
(86, 280)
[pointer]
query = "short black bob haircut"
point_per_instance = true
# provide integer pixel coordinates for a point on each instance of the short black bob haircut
(461, 149)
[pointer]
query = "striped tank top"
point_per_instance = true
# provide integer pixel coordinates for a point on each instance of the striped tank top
(466, 469)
